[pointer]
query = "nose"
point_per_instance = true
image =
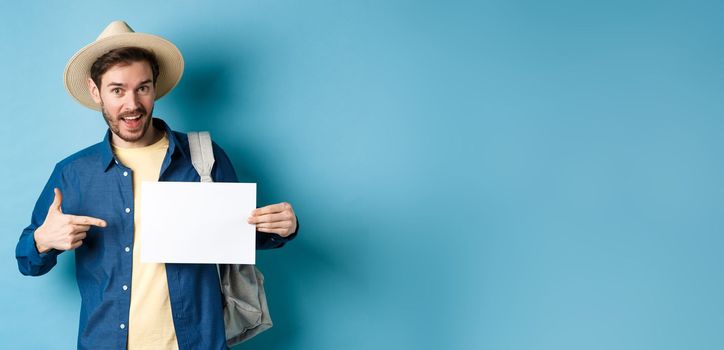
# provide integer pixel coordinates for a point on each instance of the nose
(131, 101)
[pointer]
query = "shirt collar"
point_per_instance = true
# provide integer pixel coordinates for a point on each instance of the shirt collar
(108, 158)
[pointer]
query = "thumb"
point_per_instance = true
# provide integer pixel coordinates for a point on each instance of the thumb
(57, 201)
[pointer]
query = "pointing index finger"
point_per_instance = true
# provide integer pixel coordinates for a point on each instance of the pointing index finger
(86, 220)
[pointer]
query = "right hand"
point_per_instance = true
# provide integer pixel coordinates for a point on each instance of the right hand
(62, 231)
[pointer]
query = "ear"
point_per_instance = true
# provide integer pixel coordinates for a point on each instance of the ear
(93, 89)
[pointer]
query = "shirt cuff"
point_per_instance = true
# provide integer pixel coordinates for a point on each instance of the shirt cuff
(27, 246)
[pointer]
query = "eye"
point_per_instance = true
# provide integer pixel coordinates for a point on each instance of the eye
(116, 91)
(144, 89)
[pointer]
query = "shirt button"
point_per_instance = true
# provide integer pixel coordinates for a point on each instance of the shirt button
(123, 326)
(128, 210)
(128, 249)
(125, 287)
(125, 173)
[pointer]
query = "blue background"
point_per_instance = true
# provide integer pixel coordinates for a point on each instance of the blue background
(468, 175)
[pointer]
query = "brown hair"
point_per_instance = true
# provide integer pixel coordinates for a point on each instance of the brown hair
(123, 56)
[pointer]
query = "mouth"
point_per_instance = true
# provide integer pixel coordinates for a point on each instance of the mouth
(132, 121)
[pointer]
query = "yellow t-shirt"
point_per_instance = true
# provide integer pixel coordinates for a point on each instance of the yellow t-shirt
(150, 325)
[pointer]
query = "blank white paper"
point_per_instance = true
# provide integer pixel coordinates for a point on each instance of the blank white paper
(194, 222)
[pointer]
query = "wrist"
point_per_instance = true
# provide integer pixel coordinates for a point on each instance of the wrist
(41, 248)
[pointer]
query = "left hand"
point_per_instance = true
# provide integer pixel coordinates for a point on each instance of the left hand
(276, 218)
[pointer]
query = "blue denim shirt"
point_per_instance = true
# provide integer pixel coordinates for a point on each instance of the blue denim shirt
(95, 184)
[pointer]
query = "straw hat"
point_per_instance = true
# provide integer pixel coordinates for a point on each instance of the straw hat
(119, 34)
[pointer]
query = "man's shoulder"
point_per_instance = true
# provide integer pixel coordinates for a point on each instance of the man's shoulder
(92, 154)
(182, 140)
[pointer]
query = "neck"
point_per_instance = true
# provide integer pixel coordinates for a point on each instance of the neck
(150, 137)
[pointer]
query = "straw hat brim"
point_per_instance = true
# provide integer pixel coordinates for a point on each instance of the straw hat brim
(77, 71)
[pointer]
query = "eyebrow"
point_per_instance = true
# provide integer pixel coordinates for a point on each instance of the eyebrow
(120, 84)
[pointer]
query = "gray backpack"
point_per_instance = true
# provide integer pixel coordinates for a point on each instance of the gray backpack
(246, 312)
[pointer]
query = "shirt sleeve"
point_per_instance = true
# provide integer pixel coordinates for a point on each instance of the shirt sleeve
(223, 171)
(265, 240)
(30, 262)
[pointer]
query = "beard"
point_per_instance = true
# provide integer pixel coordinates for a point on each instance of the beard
(123, 133)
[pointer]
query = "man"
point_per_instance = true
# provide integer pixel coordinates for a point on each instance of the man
(91, 204)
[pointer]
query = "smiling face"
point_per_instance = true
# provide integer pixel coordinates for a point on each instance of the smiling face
(126, 95)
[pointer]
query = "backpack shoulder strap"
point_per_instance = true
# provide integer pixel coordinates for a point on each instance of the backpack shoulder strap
(202, 154)
(246, 312)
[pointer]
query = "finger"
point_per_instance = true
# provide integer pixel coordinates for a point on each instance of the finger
(86, 220)
(80, 228)
(57, 201)
(78, 237)
(274, 208)
(279, 231)
(277, 224)
(271, 218)
(75, 245)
